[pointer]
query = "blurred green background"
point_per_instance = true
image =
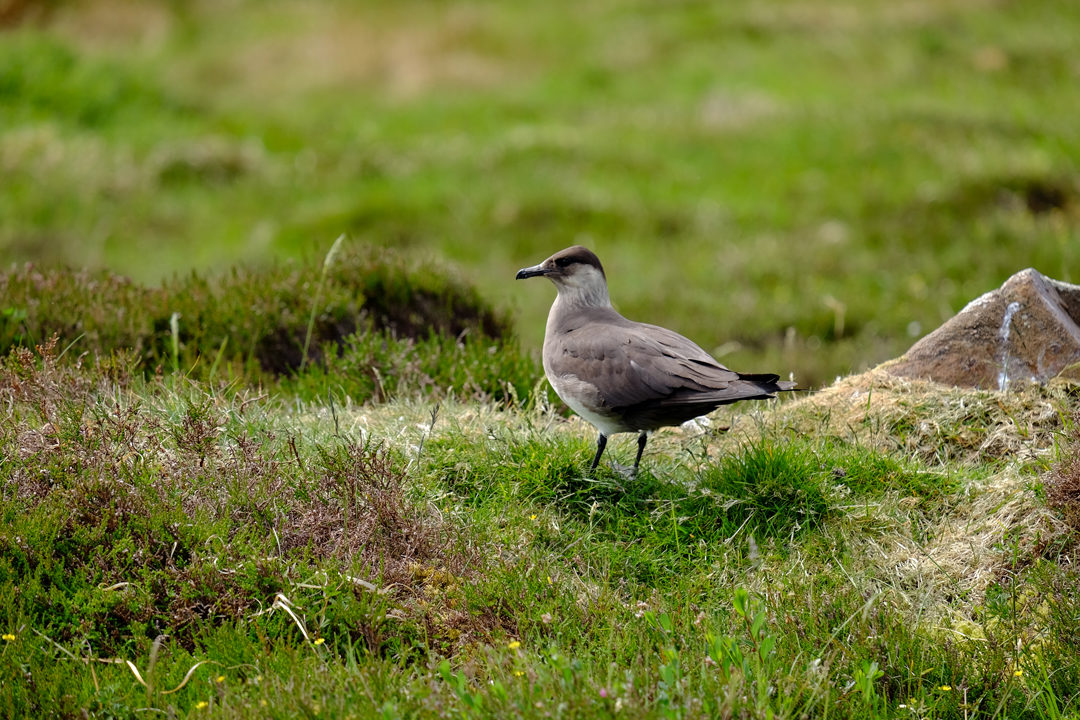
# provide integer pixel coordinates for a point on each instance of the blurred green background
(800, 186)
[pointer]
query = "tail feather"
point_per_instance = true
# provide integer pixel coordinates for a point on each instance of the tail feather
(759, 377)
(769, 382)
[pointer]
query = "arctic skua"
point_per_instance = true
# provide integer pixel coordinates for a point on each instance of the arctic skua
(625, 376)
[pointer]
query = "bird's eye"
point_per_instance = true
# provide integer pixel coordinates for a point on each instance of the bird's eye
(563, 261)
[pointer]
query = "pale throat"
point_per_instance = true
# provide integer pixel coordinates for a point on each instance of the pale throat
(585, 288)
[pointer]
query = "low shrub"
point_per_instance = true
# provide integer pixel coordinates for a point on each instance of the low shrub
(382, 325)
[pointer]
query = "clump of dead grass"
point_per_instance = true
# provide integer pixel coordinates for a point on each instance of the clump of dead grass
(994, 529)
(37, 379)
(356, 511)
(933, 423)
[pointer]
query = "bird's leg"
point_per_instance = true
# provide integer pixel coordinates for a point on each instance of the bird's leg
(627, 471)
(601, 443)
(641, 440)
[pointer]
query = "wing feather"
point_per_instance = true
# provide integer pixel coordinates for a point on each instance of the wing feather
(633, 363)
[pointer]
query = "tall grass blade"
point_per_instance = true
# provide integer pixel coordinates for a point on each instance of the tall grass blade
(327, 263)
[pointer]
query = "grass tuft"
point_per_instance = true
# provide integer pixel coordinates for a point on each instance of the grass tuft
(770, 491)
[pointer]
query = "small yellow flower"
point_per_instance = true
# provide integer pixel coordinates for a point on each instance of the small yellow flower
(1018, 673)
(946, 687)
(532, 517)
(549, 580)
(220, 679)
(9, 637)
(201, 704)
(519, 673)
(514, 645)
(262, 703)
(320, 641)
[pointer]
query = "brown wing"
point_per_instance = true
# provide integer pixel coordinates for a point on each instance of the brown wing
(634, 364)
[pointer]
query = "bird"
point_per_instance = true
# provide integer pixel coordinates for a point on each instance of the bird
(624, 376)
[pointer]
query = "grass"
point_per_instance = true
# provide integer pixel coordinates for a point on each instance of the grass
(805, 187)
(171, 545)
(244, 477)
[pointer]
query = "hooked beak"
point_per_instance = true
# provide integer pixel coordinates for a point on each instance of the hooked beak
(534, 271)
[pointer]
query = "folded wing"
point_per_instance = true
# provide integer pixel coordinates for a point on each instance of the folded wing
(653, 370)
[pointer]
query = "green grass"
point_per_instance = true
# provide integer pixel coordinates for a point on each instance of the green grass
(806, 187)
(200, 518)
(253, 556)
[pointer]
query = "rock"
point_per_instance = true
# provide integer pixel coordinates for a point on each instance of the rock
(1028, 329)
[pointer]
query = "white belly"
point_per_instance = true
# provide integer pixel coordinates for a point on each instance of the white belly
(584, 400)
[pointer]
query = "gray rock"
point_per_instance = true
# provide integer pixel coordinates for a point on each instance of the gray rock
(1028, 329)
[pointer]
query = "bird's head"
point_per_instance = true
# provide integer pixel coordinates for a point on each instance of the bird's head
(577, 274)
